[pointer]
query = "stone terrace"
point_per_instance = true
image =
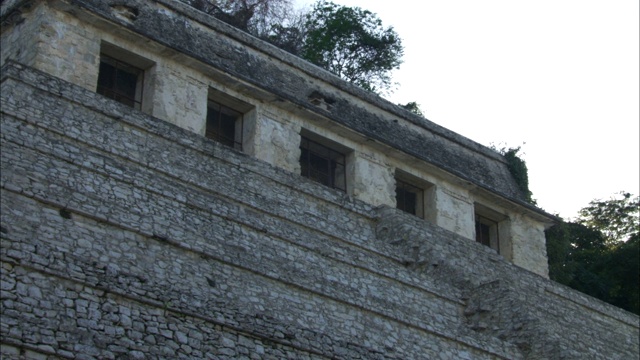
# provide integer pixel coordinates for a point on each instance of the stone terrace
(124, 236)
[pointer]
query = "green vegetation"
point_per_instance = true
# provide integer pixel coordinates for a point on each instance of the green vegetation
(598, 254)
(413, 107)
(518, 169)
(348, 41)
(353, 44)
(252, 16)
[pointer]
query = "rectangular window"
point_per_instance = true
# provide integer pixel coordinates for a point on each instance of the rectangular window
(122, 77)
(409, 198)
(491, 228)
(226, 116)
(224, 125)
(120, 81)
(415, 195)
(322, 164)
(487, 232)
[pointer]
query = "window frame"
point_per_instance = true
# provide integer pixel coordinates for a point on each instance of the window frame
(425, 194)
(219, 133)
(144, 89)
(335, 157)
(230, 106)
(408, 187)
(490, 227)
(113, 91)
(487, 232)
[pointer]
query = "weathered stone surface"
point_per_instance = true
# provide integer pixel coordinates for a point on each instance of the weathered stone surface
(128, 235)
(108, 249)
(175, 88)
(275, 80)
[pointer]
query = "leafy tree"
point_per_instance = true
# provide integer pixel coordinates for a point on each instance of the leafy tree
(289, 33)
(622, 268)
(414, 107)
(353, 44)
(574, 252)
(599, 253)
(253, 16)
(617, 218)
(350, 42)
(288, 38)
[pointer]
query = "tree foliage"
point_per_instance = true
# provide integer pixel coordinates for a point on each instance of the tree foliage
(348, 41)
(353, 44)
(617, 218)
(289, 33)
(599, 253)
(253, 16)
(413, 107)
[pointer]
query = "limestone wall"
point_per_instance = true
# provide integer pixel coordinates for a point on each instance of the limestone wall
(36, 35)
(128, 234)
(125, 236)
(203, 55)
(22, 45)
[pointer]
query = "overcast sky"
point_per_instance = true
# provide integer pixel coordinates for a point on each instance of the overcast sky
(558, 77)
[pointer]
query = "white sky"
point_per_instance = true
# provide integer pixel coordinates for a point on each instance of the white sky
(558, 77)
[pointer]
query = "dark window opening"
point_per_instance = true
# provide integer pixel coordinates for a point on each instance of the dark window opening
(322, 164)
(487, 232)
(224, 125)
(120, 81)
(409, 198)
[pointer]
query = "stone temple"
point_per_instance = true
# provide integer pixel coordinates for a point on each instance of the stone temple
(174, 188)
